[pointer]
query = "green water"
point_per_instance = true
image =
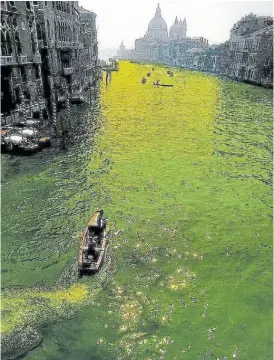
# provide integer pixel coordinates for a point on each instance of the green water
(185, 179)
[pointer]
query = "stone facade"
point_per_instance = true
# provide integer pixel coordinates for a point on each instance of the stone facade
(246, 56)
(159, 45)
(59, 41)
(251, 50)
(21, 80)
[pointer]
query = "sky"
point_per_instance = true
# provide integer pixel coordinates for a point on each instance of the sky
(119, 20)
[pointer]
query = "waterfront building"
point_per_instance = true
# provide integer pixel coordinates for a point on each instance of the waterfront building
(247, 56)
(160, 45)
(68, 45)
(251, 50)
(57, 40)
(21, 79)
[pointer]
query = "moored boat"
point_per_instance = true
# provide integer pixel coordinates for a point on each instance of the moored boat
(44, 142)
(94, 244)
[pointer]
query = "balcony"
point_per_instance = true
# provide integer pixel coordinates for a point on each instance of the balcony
(68, 71)
(37, 58)
(51, 43)
(23, 59)
(7, 60)
(64, 44)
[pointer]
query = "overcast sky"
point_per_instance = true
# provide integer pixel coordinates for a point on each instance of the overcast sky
(127, 20)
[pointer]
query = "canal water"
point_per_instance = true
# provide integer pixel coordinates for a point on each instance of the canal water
(184, 176)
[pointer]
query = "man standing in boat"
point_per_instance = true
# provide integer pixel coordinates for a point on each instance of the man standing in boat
(102, 222)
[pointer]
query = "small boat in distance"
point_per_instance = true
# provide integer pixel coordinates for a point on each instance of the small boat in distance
(94, 244)
(157, 83)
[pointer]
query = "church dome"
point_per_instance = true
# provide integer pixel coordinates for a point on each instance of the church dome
(157, 23)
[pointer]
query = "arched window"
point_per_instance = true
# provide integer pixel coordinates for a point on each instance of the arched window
(56, 31)
(49, 34)
(32, 43)
(65, 32)
(3, 44)
(39, 32)
(18, 44)
(9, 46)
(59, 31)
(14, 22)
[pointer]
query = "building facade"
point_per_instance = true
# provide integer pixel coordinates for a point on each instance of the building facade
(246, 56)
(57, 40)
(251, 50)
(160, 45)
(21, 78)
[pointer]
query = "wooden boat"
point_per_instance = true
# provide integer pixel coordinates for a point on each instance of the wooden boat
(94, 244)
(167, 85)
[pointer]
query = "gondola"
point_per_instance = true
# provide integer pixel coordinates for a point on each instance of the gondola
(166, 85)
(94, 244)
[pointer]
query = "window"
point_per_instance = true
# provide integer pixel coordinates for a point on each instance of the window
(23, 73)
(3, 44)
(3, 5)
(46, 3)
(35, 3)
(18, 44)
(9, 47)
(39, 32)
(267, 61)
(6, 48)
(49, 35)
(32, 43)
(14, 23)
(36, 70)
(28, 5)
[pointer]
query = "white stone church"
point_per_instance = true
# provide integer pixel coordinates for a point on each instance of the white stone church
(159, 45)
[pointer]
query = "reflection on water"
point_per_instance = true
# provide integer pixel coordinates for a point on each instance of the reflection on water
(184, 177)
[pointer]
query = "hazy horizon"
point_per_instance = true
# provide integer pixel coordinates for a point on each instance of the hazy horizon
(124, 20)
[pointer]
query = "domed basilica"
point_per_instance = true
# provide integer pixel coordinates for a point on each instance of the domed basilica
(159, 45)
(157, 28)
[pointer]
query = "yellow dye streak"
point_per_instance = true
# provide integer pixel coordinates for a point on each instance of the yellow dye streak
(24, 307)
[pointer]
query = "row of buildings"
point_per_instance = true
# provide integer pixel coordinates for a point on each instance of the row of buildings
(160, 45)
(48, 52)
(246, 56)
